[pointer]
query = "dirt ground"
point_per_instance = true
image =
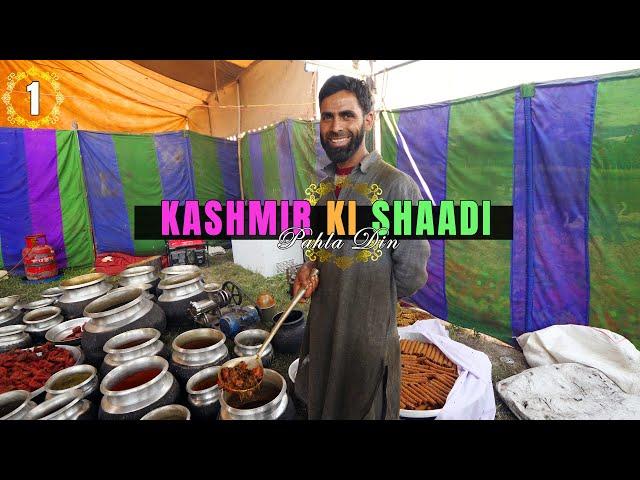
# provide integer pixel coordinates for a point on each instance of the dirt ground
(505, 360)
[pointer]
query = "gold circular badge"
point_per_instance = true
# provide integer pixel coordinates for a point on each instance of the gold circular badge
(14, 117)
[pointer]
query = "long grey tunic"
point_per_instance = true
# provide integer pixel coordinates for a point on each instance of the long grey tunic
(350, 356)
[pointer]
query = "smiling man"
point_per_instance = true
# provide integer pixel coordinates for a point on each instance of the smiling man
(350, 356)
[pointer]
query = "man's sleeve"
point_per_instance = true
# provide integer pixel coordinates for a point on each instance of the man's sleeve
(410, 256)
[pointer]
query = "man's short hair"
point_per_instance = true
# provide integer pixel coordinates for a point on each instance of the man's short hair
(358, 87)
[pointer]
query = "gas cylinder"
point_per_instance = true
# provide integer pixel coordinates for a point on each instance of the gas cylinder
(39, 258)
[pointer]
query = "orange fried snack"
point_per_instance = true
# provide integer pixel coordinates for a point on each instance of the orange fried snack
(427, 376)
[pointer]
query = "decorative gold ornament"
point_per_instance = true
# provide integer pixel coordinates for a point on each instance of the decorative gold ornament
(14, 117)
(315, 193)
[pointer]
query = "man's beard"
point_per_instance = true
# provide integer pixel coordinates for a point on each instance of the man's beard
(342, 154)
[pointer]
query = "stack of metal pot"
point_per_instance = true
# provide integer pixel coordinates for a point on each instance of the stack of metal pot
(178, 291)
(196, 350)
(119, 311)
(159, 389)
(131, 345)
(81, 291)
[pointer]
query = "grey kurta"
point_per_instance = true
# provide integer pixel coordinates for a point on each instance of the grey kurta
(350, 356)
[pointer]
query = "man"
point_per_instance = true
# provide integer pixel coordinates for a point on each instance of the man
(350, 356)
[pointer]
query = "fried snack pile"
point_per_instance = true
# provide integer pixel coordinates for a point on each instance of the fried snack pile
(239, 377)
(427, 376)
(30, 370)
(408, 316)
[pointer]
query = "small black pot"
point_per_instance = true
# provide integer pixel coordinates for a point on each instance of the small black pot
(288, 339)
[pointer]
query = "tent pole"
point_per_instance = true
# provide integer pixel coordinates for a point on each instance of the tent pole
(238, 139)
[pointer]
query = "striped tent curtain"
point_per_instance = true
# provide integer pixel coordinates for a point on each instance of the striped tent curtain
(565, 155)
(41, 192)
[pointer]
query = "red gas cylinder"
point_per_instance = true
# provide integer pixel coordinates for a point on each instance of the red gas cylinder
(39, 259)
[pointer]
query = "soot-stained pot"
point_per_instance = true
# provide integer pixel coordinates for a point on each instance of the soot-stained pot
(270, 402)
(134, 403)
(68, 406)
(169, 412)
(13, 337)
(196, 350)
(127, 346)
(40, 320)
(81, 291)
(178, 291)
(203, 394)
(249, 342)
(88, 387)
(15, 405)
(288, 338)
(119, 311)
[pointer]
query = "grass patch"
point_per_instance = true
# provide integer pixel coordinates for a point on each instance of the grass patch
(252, 284)
(15, 285)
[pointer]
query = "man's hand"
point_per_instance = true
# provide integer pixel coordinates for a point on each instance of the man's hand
(304, 279)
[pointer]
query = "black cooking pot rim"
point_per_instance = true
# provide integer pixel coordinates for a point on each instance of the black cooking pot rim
(295, 316)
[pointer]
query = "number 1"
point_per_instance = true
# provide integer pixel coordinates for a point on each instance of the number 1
(34, 89)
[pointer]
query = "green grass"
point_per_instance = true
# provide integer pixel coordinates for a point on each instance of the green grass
(31, 291)
(253, 284)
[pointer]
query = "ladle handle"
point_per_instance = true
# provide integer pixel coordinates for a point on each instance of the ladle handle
(276, 327)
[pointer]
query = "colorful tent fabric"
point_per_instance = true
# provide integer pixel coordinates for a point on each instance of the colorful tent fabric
(102, 95)
(42, 192)
(123, 171)
(281, 161)
(565, 155)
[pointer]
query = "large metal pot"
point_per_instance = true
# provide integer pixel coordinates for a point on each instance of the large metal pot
(169, 412)
(271, 402)
(42, 319)
(15, 405)
(127, 346)
(204, 402)
(68, 406)
(135, 403)
(35, 304)
(14, 336)
(10, 316)
(119, 311)
(178, 291)
(249, 342)
(147, 288)
(58, 334)
(178, 270)
(187, 361)
(81, 291)
(134, 275)
(88, 387)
